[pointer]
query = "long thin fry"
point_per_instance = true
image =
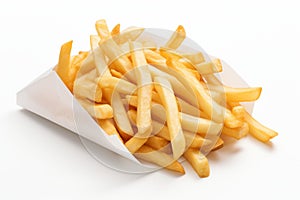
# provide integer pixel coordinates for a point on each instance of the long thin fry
(98, 111)
(256, 129)
(238, 94)
(177, 38)
(162, 159)
(119, 85)
(116, 30)
(102, 29)
(144, 93)
(120, 117)
(198, 161)
(164, 89)
(63, 66)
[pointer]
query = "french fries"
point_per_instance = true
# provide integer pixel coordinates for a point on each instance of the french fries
(163, 105)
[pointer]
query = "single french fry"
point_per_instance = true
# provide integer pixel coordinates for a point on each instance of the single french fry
(63, 66)
(98, 111)
(144, 93)
(176, 39)
(102, 29)
(121, 117)
(238, 94)
(236, 133)
(160, 158)
(116, 30)
(198, 161)
(109, 127)
(258, 130)
(119, 85)
(166, 94)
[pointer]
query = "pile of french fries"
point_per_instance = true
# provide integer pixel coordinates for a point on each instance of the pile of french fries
(161, 103)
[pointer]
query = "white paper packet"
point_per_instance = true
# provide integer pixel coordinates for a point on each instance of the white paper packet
(48, 97)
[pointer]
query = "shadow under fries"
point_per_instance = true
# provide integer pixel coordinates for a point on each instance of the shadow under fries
(231, 148)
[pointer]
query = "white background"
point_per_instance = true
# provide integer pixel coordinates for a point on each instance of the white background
(259, 39)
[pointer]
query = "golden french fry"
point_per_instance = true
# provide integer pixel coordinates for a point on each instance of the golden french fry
(238, 94)
(121, 117)
(109, 127)
(119, 85)
(63, 66)
(166, 94)
(236, 133)
(160, 158)
(116, 30)
(102, 29)
(176, 39)
(198, 161)
(144, 93)
(98, 111)
(258, 130)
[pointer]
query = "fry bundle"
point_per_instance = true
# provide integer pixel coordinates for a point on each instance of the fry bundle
(161, 103)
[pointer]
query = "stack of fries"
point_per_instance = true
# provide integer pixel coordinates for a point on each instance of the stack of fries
(161, 103)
